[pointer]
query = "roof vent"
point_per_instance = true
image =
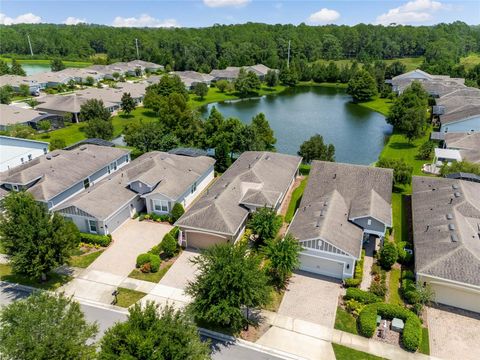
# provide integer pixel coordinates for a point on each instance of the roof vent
(451, 227)
(454, 237)
(335, 175)
(83, 148)
(321, 212)
(449, 216)
(325, 203)
(457, 194)
(55, 154)
(455, 186)
(48, 157)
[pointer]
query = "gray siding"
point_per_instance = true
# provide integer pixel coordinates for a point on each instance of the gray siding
(97, 175)
(462, 126)
(66, 194)
(375, 225)
(140, 187)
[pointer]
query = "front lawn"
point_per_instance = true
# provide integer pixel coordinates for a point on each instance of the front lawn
(346, 353)
(84, 260)
(344, 321)
(378, 104)
(151, 277)
(54, 280)
(295, 200)
(424, 347)
(127, 297)
(394, 287)
(276, 298)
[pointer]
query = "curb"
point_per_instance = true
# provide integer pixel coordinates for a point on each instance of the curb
(247, 344)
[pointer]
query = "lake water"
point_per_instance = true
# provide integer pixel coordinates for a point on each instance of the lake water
(31, 69)
(299, 113)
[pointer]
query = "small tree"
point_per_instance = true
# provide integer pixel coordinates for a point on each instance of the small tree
(45, 326)
(246, 83)
(177, 211)
(94, 109)
(424, 296)
(265, 223)
(99, 128)
(316, 149)
(228, 281)
(222, 156)
(57, 143)
(271, 78)
(425, 151)
(24, 90)
(362, 86)
(21, 131)
(72, 84)
(128, 104)
(402, 172)
(57, 65)
(44, 125)
(388, 255)
(282, 259)
(200, 89)
(288, 76)
(16, 68)
(116, 75)
(32, 102)
(169, 245)
(222, 85)
(6, 94)
(37, 241)
(89, 81)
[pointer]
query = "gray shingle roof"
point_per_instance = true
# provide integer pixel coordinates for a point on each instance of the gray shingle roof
(66, 103)
(467, 143)
(255, 175)
(61, 169)
(337, 193)
(10, 115)
(446, 227)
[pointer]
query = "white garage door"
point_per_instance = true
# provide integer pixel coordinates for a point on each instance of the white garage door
(456, 297)
(321, 266)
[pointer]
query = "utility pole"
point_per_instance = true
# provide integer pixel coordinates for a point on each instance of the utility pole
(136, 45)
(288, 56)
(30, 44)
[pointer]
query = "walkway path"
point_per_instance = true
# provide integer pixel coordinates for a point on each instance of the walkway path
(367, 264)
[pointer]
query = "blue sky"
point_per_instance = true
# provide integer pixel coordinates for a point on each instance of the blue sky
(198, 13)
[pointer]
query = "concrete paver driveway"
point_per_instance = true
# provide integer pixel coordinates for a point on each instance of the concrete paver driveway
(182, 271)
(454, 334)
(311, 298)
(129, 240)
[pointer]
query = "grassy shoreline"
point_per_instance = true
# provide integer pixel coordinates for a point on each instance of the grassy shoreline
(67, 63)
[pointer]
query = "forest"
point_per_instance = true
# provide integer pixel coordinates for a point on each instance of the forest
(218, 46)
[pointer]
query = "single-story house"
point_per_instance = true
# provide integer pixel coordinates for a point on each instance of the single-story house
(341, 203)
(435, 85)
(80, 75)
(468, 144)
(155, 181)
(51, 78)
(15, 151)
(13, 115)
(458, 111)
(256, 179)
(230, 73)
(145, 66)
(114, 95)
(15, 81)
(57, 176)
(446, 237)
(191, 78)
(260, 70)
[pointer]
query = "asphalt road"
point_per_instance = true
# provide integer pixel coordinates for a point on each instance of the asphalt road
(105, 318)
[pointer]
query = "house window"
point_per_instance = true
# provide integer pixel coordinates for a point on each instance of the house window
(86, 183)
(114, 166)
(29, 157)
(160, 205)
(92, 226)
(369, 222)
(21, 159)
(194, 187)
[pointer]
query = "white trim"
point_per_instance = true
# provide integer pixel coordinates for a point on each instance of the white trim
(348, 256)
(451, 282)
(373, 217)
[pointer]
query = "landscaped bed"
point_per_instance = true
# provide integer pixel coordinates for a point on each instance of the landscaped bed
(83, 260)
(153, 277)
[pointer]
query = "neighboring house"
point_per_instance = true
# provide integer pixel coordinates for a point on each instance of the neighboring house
(15, 81)
(256, 179)
(13, 115)
(191, 78)
(435, 85)
(467, 144)
(155, 181)
(458, 111)
(61, 174)
(145, 66)
(15, 151)
(114, 95)
(230, 73)
(341, 204)
(69, 104)
(80, 75)
(260, 70)
(51, 78)
(446, 236)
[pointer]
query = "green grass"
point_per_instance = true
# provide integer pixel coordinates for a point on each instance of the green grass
(345, 353)
(344, 321)
(2, 250)
(127, 297)
(54, 280)
(83, 261)
(151, 277)
(378, 104)
(304, 169)
(295, 200)
(470, 61)
(400, 224)
(410, 63)
(47, 62)
(275, 300)
(424, 347)
(393, 287)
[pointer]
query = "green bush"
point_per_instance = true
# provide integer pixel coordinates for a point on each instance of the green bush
(403, 257)
(143, 259)
(154, 263)
(169, 245)
(358, 273)
(352, 282)
(156, 250)
(412, 332)
(174, 232)
(177, 211)
(408, 274)
(361, 296)
(355, 307)
(378, 288)
(409, 291)
(94, 239)
(388, 255)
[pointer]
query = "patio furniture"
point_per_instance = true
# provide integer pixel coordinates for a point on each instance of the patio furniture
(397, 325)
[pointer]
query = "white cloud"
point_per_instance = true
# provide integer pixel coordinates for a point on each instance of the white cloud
(71, 20)
(28, 18)
(324, 16)
(225, 3)
(144, 20)
(416, 11)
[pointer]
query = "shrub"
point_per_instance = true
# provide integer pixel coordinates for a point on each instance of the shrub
(94, 239)
(367, 321)
(143, 259)
(357, 275)
(355, 307)
(174, 232)
(409, 291)
(156, 250)
(408, 274)
(388, 255)
(177, 211)
(403, 257)
(361, 296)
(352, 282)
(378, 288)
(145, 268)
(169, 245)
(154, 263)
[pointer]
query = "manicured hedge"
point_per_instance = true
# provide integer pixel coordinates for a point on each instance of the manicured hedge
(364, 297)
(358, 274)
(169, 245)
(143, 259)
(174, 232)
(412, 332)
(102, 240)
(149, 258)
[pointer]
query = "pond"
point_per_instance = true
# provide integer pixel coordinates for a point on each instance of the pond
(31, 69)
(299, 113)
